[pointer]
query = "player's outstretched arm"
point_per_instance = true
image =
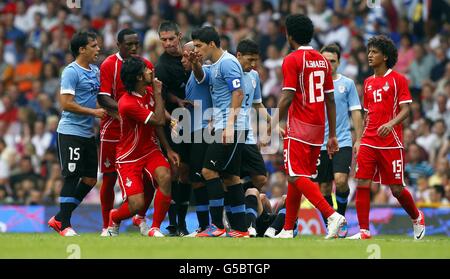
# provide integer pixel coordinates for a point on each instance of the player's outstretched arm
(283, 105)
(68, 104)
(107, 103)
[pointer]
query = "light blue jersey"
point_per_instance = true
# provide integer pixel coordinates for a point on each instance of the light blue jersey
(346, 99)
(252, 95)
(84, 84)
(198, 92)
(226, 77)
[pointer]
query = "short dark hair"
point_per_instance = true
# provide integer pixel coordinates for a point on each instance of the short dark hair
(167, 26)
(123, 33)
(300, 28)
(247, 46)
(206, 35)
(80, 39)
(333, 48)
(131, 69)
(386, 46)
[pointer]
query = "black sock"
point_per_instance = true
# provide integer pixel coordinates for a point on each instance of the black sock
(173, 205)
(251, 210)
(278, 223)
(248, 185)
(227, 206)
(237, 197)
(67, 201)
(82, 190)
(216, 197)
(342, 199)
(202, 206)
(329, 199)
(184, 195)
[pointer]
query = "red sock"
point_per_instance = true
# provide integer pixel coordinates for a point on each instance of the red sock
(406, 201)
(149, 191)
(161, 206)
(293, 199)
(313, 194)
(362, 203)
(107, 196)
(122, 213)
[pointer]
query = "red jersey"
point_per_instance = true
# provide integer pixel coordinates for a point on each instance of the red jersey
(309, 75)
(111, 85)
(138, 138)
(382, 99)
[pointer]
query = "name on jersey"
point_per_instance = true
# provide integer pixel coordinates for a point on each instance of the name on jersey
(315, 64)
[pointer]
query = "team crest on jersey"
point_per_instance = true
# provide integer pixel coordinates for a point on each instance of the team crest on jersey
(129, 182)
(386, 86)
(341, 88)
(72, 167)
(254, 83)
(369, 87)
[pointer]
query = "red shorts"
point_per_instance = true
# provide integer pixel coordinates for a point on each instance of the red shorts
(107, 158)
(300, 159)
(131, 174)
(380, 165)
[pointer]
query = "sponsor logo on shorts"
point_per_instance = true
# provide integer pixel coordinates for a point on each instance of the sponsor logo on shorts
(107, 163)
(129, 182)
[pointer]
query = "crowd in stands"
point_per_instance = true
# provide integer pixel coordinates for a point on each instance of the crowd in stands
(34, 48)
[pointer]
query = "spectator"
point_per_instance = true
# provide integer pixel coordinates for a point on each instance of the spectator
(406, 54)
(425, 138)
(417, 166)
(273, 37)
(422, 194)
(440, 110)
(28, 70)
(41, 139)
(442, 166)
(421, 67)
(437, 72)
(437, 195)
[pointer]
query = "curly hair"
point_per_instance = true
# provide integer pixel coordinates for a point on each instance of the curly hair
(386, 46)
(131, 69)
(300, 28)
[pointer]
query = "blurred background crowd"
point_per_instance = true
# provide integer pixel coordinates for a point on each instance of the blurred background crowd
(34, 48)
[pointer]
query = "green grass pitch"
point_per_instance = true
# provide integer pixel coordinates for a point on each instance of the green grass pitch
(132, 245)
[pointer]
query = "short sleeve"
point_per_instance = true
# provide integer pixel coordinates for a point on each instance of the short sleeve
(290, 73)
(365, 98)
(232, 74)
(257, 97)
(328, 86)
(206, 75)
(133, 110)
(106, 79)
(353, 98)
(69, 80)
(404, 96)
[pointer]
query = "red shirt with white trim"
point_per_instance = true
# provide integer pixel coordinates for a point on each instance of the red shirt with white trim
(309, 76)
(138, 138)
(382, 99)
(111, 85)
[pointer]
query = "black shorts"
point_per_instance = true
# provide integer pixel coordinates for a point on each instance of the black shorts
(252, 162)
(341, 163)
(263, 222)
(181, 148)
(197, 153)
(226, 158)
(77, 156)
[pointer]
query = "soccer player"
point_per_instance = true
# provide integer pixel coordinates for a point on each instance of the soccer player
(223, 157)
(77, 149)
(337, 169)
(198, 93)
(307, 82)
(380, 156)
(138, 151)
(170, 71)
(111, 89)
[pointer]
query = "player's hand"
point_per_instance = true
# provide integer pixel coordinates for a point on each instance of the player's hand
(228, 135)
(100, 112)
(385, 129)
(194, 57)
(173, 157)
(356, 147)
(332, 146)
(173, 127)
(184, 103)
(157, 86)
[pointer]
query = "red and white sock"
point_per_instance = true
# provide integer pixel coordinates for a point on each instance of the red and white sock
(312, 192)
(161, 206)
(407, 202)
(293, 199)
(362, 203)
(122, 213)
(107, 196)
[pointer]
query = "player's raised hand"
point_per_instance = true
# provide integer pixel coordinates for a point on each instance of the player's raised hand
(332, 146)
(385, 129)
(157, 86)
(100, 112)
(193, 57)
